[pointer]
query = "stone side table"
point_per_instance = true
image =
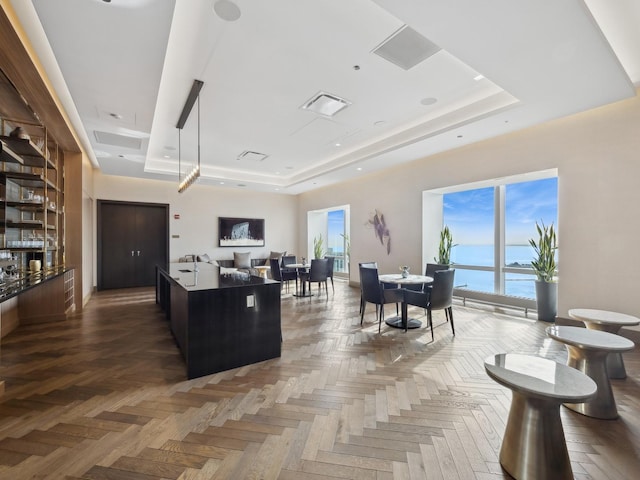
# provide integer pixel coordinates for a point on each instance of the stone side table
(534, 445)
(610, 322)
(588, 350)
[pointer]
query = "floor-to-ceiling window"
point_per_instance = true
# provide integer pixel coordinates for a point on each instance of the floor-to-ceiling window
(470, 217)
(332, 225)
(491, 228)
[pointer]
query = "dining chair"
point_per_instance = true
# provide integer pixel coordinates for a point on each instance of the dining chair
(373, 292)
(280, 276)
(436, 296)
(318, 273)
(331, 264)
(365, 265)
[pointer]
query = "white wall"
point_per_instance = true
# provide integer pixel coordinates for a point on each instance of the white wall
(199, 208)
(597, 154)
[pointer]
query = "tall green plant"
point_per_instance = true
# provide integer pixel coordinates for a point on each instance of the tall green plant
(318, 250)
(444, 249)
(544, 263)
(347, 245)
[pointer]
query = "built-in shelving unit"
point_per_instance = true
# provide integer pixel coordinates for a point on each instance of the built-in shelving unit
(31, 198)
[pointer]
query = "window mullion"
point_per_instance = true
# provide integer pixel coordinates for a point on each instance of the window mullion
(499, 236)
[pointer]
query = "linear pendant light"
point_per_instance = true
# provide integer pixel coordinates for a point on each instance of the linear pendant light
(194, 174)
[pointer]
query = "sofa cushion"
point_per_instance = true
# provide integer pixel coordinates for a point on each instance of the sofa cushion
(204, 258)
(242, 260)
(276, 255)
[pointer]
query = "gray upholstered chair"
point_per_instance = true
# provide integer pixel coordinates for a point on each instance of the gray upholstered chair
(318, 273)
(331, 262)
(373, 292)
(436, 296)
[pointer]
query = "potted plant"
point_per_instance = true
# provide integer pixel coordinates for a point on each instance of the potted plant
(444, 249)
(347, 253)
(318, 251)
(544, 266)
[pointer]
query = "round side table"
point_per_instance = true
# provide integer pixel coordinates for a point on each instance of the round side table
(588, 350)
(610, 322)
(534, 445)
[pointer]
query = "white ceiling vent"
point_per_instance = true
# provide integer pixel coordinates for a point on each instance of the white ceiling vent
(325, 104)
(406, 48)
(118, 140)
(252, 156)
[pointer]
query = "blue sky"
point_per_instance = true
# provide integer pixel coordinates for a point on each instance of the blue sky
(469, 214)
(335, 226)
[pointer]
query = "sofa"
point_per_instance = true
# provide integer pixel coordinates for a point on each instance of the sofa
(242, 261)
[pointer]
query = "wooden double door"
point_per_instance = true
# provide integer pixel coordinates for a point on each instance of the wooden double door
(132, 239)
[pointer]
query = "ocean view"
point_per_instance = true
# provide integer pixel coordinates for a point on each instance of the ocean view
(515, 255)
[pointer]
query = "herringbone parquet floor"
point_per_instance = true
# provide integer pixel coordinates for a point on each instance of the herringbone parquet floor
(104, 396)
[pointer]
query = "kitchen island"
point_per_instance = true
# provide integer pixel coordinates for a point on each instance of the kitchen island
(220, 318)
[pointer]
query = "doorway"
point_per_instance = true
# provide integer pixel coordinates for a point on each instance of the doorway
(132, 239)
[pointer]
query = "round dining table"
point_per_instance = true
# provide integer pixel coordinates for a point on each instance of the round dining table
(301, 267)
(400, 281)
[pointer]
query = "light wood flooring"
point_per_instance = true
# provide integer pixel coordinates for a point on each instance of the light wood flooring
(104, 396)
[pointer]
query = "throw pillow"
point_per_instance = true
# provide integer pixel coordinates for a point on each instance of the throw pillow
(242, 260)
(276, 255)
(203, 258)
(214, 263)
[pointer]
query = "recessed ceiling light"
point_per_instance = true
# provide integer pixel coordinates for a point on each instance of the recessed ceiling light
(277, 189)
(221, 183)
(227, 10)
(428, 101)
(277, 173)
(167, 156)
(359, 169)
(338, 144)
(478, 77)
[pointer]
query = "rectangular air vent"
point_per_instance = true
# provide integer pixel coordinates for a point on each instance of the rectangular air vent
(118, 140)
(325, 104)
(406, 48)
(252, 156)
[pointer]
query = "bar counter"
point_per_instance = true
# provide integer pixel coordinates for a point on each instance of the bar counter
(220, 318)
(9, 288)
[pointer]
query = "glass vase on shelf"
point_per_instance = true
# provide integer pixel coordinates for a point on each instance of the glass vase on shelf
(404, 269)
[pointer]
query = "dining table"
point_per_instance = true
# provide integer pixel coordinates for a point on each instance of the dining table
(301, 268)
(403, 321)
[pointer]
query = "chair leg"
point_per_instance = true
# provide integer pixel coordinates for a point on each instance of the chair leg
(363, 306)
(380, 317)
(450, 310)
(430, 321)
(332, 287)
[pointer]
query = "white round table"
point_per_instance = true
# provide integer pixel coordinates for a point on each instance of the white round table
(301, 268)
(534, 445)
(400, 281)
(588, 350)
(610, 322)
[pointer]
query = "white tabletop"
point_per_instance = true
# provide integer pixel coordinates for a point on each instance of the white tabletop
(537, 376)
(603, 317)
(297, 265)
(589, 339)
(398, 279)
